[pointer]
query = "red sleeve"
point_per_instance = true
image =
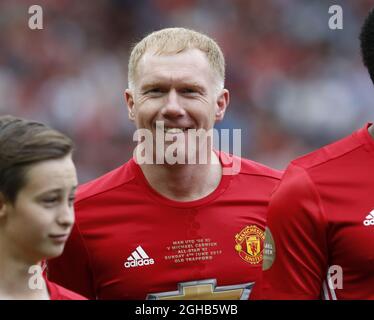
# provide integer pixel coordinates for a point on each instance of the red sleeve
(295, 254)
(72, 269)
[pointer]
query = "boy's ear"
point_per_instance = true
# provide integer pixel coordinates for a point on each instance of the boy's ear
(3, 205)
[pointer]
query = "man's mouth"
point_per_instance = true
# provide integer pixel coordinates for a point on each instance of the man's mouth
(173, 130)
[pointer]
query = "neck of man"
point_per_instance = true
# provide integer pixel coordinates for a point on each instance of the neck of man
(184, 182)
(15, 276)
(371, 130)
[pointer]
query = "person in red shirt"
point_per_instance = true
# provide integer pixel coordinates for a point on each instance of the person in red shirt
(156, 228)
(320, 236)
(37, 185)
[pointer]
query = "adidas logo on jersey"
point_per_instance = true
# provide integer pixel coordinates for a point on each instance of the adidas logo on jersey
(369, 220)
(138, 258)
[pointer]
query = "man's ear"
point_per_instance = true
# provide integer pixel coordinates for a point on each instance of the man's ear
(129, 97)
(222, 102)
(371, 130)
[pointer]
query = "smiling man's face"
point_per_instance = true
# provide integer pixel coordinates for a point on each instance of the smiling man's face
(181, 90)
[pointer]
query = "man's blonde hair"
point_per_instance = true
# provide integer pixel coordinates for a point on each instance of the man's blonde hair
(176, 40)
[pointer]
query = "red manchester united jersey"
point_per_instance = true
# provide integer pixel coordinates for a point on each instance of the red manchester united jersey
(129, 242)
(59, 293)
(320, 237)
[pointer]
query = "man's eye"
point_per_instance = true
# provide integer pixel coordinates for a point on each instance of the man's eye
(154, 90)
(188, 90)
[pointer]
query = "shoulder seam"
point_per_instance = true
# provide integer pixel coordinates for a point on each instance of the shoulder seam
(295, 162)
(315, 191)
(106, 190)
(262, 175)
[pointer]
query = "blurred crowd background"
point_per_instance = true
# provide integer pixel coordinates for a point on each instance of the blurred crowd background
(295, 84)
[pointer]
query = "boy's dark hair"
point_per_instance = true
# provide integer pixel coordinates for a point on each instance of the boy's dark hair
(23, 143)
(367, 43)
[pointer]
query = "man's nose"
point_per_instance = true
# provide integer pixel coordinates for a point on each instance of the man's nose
(172, 107)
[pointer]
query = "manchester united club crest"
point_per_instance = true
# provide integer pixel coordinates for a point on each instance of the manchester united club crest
(250, 244)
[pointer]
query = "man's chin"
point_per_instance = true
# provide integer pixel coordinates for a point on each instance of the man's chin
(181, 156)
